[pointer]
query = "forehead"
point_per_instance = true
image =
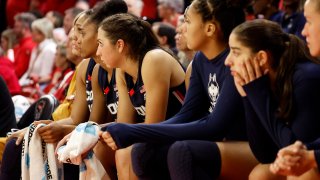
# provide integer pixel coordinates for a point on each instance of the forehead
(102, 35)
(191, 12)
(80, 20)
(233, 39)
(310, 8)
(87, 24)
(234, 42)
(100, 32)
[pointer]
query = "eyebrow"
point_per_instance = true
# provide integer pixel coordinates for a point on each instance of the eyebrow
(234, 48)
(79, 28)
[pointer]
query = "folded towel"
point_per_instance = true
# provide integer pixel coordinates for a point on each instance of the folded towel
(81, 142)
(38, 160)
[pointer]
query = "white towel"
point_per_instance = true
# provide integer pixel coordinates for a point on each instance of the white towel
(82, 140)
(38, 160)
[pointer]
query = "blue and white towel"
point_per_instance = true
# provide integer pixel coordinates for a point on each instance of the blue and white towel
(38, 160)
(81, 142)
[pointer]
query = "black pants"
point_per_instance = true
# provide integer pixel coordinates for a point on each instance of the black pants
(190, 159)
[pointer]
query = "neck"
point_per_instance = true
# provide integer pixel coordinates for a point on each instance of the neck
(189, 54)
(77, 61)
(213, 48)
(131, 67)
(98, 60)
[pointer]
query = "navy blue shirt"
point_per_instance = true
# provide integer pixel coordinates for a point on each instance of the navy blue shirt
(137, 95)
(89, 92)
(293, 24)
(110, 91)
(212, 110)
(266, 132)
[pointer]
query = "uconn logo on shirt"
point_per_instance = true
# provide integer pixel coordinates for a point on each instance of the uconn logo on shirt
(213, 91)
(113, 108)
(89, 99)
(141, 110)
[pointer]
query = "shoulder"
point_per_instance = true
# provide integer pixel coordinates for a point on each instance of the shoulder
(83, 64)
(95, 71)
(157, 59)
(96, 68)
(50, 45)
(28, 45)
(199, 57)
(82, 67)
(157, 56)
(307, 71)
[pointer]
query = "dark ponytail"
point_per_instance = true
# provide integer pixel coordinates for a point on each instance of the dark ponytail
(295, 51)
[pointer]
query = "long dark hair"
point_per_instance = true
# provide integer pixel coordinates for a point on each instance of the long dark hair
(284, 51)
(136, 33)
(228, 13)
(107, 9)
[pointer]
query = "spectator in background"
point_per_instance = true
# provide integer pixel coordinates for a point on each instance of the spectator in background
(165, 34)
(22, 52)
(61, 71)
(291, 19)
(267, 9)
(70, 14)
(135, 7)
(44, 6)
(56, 18)
(42, 57)
(149, 11)
(14, 7)
(59, 35)
(169, 10)
(185, 54)
(8, 75)
(82, 4)
(8, 41)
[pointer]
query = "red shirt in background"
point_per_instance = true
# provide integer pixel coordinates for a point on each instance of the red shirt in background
(14, 7)
(56, 5)
(9, 76)
(22, 53)
(150, 9)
